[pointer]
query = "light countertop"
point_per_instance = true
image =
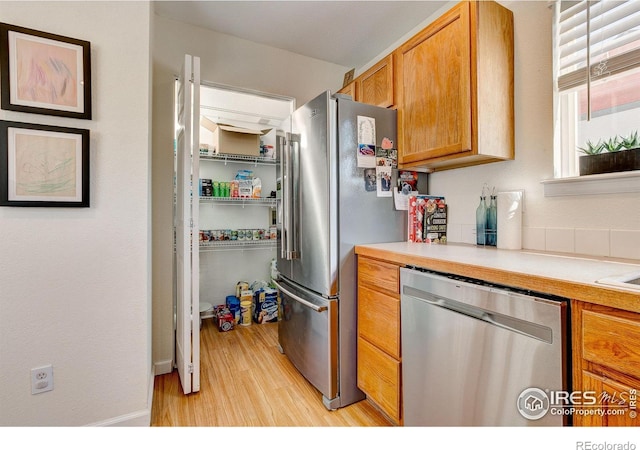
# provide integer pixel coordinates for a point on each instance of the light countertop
(558, 274)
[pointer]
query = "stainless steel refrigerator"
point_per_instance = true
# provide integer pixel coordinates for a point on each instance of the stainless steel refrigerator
(323, 211)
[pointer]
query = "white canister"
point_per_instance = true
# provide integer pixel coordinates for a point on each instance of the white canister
(510, 220)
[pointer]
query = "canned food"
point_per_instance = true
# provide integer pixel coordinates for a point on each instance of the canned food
(245, 312)
(241, 235)
(234, 235)
(256, 235)
(273, 232)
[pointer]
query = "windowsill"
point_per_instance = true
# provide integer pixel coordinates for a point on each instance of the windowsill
(605, 183)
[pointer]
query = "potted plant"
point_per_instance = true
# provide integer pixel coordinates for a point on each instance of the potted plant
(617, 154)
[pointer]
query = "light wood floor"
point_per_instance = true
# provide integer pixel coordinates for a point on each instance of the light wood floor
(246, 381)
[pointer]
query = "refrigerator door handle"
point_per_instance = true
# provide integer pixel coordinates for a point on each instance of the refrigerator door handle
(284, 180)
(294, 168)
(290, 179)
(300, 299)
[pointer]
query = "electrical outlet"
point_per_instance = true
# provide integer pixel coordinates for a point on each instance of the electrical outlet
(42, 379)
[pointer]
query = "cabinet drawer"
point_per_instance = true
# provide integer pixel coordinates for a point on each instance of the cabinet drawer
(379, 378)
(612, 341)
(379, 320)
(378, 275)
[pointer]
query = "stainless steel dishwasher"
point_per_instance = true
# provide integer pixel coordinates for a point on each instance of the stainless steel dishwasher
(475, 354)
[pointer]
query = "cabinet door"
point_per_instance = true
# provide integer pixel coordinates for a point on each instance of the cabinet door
(433, 84)
(616, 402)
(379, 377)
(375, 86)
(350, 89)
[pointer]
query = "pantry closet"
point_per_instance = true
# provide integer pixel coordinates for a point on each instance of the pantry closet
(221, 237)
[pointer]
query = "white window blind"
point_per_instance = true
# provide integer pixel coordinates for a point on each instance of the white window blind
(603, 35)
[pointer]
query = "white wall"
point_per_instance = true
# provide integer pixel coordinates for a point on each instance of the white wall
(226, 60)
(75, 282)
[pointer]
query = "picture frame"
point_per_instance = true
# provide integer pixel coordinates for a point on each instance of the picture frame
(44, 73)
(43, 165)
(348, 77)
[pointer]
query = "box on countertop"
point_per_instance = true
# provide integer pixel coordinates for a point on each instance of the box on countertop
(221, 138)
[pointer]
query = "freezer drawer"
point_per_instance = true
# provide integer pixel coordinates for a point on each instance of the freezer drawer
(308, 335)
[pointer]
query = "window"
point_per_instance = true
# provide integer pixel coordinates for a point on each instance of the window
(596, 76)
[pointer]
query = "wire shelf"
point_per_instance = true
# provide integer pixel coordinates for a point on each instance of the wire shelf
(238, 245)
(263, 201)
(242, 159)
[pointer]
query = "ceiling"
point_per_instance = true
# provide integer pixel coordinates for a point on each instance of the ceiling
(347, 33)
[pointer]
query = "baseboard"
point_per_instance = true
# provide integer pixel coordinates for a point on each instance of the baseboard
(162, 367)
(140, 418)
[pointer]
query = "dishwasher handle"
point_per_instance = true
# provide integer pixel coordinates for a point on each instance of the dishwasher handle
(530, 329)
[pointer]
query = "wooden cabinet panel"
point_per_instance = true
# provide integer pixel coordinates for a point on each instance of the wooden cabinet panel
(606, 361)
(379, 377)
(454, 89)
(350, 89)
(379, 359)
(611, 341)
(375, 86)
(378, 275)
(434, 82)
(379, 320)
(616, 402)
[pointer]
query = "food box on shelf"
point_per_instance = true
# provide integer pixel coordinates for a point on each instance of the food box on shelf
(206, 187)
(221, 138)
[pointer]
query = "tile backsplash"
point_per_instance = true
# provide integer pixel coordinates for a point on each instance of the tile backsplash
(582, 241)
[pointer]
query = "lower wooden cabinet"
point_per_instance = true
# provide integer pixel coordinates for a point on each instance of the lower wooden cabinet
(606, 363)
(379, 357)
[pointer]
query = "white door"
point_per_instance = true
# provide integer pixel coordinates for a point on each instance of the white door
(187, 231)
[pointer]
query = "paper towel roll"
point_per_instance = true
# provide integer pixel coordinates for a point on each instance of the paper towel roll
(510, 220)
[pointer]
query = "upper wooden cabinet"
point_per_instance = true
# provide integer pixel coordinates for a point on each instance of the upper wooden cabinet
(454, 89)
(350, 89)
(375, 86)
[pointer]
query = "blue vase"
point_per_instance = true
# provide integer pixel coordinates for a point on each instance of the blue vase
(481, 221)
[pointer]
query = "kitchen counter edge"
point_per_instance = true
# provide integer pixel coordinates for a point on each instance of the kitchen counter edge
(567, 276)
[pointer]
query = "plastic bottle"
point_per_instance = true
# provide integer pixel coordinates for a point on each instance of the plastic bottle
(492, 222)
(481, 221)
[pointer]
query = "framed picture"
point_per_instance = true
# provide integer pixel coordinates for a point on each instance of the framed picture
(42, 165)
(44, 73)
(348, 77)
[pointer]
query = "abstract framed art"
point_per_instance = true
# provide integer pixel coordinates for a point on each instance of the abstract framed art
(42, 165)
(44, 73)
